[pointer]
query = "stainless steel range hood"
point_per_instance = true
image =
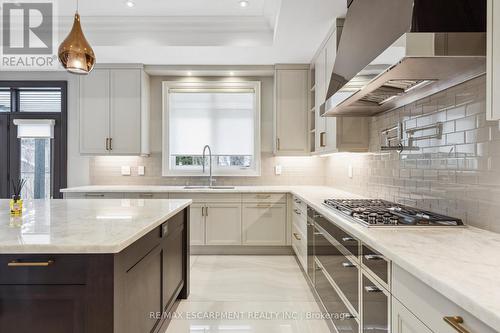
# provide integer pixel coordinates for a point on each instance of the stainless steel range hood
(394, 52)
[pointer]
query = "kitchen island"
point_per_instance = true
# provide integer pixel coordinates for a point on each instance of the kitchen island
(93, 265)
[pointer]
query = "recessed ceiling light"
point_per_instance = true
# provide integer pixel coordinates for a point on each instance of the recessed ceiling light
(189, 73)
(231, 73)
(243, 3)
(130, 3)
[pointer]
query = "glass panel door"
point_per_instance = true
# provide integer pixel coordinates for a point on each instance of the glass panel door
(35, 165)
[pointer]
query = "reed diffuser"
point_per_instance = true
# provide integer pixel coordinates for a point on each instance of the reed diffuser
(16, 203)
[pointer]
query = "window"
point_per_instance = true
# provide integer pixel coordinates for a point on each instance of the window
(223, 115)
(33, 124)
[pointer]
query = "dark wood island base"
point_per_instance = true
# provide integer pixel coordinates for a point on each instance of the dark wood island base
(125, 292)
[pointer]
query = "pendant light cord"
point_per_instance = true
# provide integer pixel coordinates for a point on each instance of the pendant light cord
(77, 5)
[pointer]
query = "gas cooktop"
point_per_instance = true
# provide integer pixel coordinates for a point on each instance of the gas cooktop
(381, 213)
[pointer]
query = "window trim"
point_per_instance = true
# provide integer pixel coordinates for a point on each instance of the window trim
(230, 172)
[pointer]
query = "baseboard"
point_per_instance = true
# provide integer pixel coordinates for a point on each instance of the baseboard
(240, 250)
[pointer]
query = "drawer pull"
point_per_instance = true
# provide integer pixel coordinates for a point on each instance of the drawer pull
(297, 212)
(318, 234)
(317, 216)
(297, 201)
(347, 264)
(296, 235)
(146, 195)
(349, 316)
(263, 206)
(348, 239)
(456, 322)
(95, 195)
(16, 263)
(372, 289)
(374, 257)
(263, 196)
(309, 224)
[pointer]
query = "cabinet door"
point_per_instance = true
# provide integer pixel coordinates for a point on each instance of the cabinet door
(320, 79)
(125, 120)
(223, 224)
(291, 111)
(352, 134)
(264, 224)
(45, 308)
(403, 321)
(493, 61)
(94, 112)
(143, 285)
(197, 224)
(173, 261)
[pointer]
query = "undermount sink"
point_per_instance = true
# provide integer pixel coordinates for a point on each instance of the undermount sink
(195, 187)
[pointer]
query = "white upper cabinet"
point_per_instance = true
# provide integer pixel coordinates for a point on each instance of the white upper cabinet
(292, 100)
(493, 61)
(114, 112)
(335, 134)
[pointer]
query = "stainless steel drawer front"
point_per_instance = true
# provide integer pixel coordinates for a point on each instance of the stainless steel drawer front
(346, 240)
(343, 272)
(376, 263)
(375, 308)
(343, 320)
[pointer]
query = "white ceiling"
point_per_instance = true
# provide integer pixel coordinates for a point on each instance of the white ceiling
(203, 32)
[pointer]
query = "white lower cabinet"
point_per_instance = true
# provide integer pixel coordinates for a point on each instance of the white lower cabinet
(264, 224)
(223, 224)
(429, 307)
(403, 321)
(197, 224)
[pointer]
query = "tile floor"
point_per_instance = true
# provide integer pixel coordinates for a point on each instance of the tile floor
(254, 294)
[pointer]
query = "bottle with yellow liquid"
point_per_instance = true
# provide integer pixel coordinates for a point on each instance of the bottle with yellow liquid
(16, 206)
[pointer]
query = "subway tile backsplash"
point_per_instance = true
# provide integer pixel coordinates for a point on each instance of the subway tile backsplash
(457, 175)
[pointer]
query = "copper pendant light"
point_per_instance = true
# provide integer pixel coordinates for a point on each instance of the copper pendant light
(75, 53)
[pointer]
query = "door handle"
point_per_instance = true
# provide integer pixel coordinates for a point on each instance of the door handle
(347, 264)
(297, 212)
(16, 263)
(110, 143)
(296, 235)
(347, 239)
(456, 322)
(107, 143)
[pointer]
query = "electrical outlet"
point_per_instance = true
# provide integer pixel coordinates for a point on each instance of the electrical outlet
(349, 171)
(126, 170)
(141, 170)
(278, 170)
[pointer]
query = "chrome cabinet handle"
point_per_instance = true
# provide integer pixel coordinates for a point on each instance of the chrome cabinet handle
(456, 322)
(315, 216)
(95, 195)
(110, 143)
(318, 234)
(347, 264)
(349, 316)
(309, 224)
(202, 211)
(372, 289)
(297, 212)
(374, 257)
(146, 195)
(296, 235)
(16, 263)
(107, 143)
(297, 201)
(347, 239)
(206, 211)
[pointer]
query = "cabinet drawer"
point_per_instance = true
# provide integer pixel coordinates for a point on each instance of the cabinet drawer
(145, 195)
(349, 242)
(43, 269)
(430, 306)
(343, 319)
(208, 197)
(264, 197)
(299, 245)
(376, 264)
(342, 271)
(299, 205)
(300, 220)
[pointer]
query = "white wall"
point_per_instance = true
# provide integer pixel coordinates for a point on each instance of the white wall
(78, 166)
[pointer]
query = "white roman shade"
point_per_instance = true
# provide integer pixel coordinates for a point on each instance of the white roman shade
(35, 128)
(221, 118)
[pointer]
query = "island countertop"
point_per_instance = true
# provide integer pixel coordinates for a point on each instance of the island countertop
(73, 226)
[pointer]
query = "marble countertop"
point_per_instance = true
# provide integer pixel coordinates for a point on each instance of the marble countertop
(173, 189)
(82, 226)
(460, 263)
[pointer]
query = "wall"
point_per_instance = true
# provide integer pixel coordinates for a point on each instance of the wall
(78, 166)
(458, 175)
(296, 170)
